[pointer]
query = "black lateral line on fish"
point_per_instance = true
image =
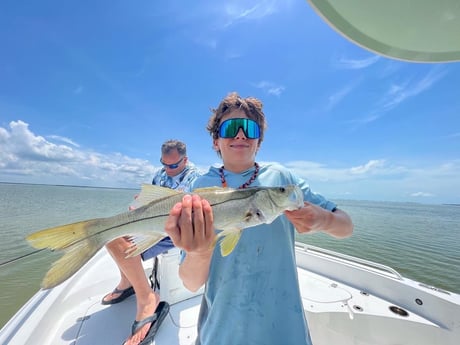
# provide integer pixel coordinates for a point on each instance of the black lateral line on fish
(108, 229)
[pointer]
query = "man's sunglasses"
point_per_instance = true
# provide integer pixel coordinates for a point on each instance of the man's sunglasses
(229, 128)
(172, 166)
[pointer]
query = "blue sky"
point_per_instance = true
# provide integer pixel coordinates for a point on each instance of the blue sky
(89, 90)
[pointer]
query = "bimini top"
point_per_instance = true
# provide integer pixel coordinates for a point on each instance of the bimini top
(418, 31)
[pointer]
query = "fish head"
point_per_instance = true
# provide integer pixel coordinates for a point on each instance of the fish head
(250, 207)
(273, 201)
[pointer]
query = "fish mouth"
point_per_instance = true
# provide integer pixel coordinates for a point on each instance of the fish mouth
(294, 199)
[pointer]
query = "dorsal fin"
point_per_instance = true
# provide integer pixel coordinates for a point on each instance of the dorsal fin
(150, 192)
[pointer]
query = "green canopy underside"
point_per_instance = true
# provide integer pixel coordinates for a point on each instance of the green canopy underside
(411, 30)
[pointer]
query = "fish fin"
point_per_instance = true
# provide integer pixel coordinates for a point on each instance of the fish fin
(75, 257)
(60, 237)
(141, 244)
(78, 242)
(229, 241)
(150, 192)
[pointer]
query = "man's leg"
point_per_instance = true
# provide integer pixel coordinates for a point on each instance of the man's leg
(133, 271)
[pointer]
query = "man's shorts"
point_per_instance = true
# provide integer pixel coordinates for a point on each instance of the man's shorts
(164, 245)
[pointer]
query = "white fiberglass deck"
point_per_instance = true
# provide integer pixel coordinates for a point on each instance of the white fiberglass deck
(346, 302)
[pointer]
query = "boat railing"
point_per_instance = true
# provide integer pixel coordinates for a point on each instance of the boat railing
(351, 259)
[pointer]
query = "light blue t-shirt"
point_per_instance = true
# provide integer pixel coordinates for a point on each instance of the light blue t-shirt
(252, 296)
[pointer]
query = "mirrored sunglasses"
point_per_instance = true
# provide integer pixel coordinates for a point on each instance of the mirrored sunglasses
(229, 128)
(172, 166)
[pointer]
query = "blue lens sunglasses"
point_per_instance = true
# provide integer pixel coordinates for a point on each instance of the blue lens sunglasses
(229, 128)
(172, 166)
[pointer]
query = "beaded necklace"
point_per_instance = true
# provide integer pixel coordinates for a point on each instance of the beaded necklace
(244, 185)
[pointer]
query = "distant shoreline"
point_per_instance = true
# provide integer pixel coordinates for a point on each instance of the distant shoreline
(137, 188)
(67, 185)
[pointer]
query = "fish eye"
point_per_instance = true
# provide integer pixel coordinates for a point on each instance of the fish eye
(282, 189)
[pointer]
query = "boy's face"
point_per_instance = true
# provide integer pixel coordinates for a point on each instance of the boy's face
(238, 153)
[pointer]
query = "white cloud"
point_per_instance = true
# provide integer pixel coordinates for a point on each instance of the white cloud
(64, 140)
(365, 120)
(421, 194)
(270, 88)
(369, 167)
(27, 157)
(243, 10)
(339, 95)
(398, 93)
(372, 169)
(21, 142)
(378, 179)
(344, 63)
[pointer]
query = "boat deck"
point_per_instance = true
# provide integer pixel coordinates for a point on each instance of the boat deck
(358, 311)
(83, 320)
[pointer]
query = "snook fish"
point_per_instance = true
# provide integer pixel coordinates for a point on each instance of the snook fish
(233, 211)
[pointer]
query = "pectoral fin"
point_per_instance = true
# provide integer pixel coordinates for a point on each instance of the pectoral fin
(229, 242)
(141, 244)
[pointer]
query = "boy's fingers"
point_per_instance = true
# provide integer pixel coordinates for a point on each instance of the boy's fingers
(171, 225)
(197, 218)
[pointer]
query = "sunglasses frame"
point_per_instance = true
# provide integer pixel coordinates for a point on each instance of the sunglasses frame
(243, 126)
(172, 166)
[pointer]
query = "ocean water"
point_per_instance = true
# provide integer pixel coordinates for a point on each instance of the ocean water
(422, 242)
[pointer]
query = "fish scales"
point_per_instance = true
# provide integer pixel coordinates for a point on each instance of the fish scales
(233, 211)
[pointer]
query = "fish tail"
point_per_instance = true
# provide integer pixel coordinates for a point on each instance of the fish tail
(75, 257)
(60, 237)
(79, 241)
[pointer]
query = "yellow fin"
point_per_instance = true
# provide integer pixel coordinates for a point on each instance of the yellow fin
(60, 236)
(76, 240)
(150, 192)
(229, 242)
(140, 245)
(75, 257)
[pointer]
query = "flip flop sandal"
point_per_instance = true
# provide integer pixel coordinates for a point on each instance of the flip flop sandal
(124, 294)
(156, 319)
